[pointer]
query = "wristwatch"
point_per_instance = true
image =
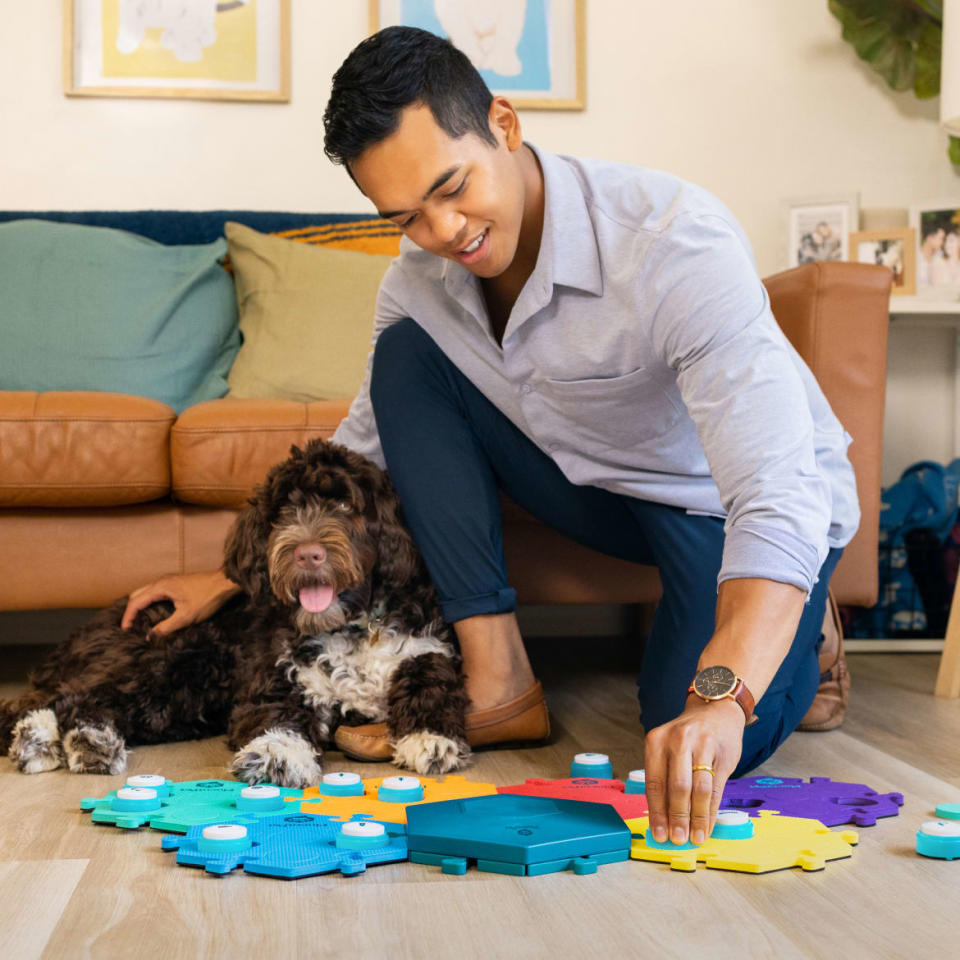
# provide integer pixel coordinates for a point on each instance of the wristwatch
(721, 683)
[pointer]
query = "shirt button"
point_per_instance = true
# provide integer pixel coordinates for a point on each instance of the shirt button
(526, 388)
(553, 446)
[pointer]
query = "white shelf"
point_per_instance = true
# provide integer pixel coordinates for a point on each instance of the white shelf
(914, 306)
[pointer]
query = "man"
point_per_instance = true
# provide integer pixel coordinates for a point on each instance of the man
(593, 339)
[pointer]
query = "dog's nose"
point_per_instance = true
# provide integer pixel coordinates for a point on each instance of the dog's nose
(309, 555)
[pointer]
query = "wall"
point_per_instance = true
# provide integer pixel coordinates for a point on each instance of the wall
(753, 99)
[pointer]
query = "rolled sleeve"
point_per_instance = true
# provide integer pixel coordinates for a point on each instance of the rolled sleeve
(737, 375)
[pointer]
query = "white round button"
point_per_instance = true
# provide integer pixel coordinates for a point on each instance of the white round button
(260, 791)
(732, 818)
(145, 780)
(591, 758)
(637, 776)
(363, 828)
(941, 828)
(136, 793)
(400, 783)
(341, 779)
(224, 831)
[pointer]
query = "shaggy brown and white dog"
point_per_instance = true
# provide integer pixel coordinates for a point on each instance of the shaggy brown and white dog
(337, 622)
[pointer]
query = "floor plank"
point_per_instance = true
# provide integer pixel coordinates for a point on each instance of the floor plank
(101, 892)
(33, 896)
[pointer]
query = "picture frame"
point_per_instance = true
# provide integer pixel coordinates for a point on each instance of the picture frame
(937, 229)
(819, 227)
(894, 248)
(533, 52)
(209, 50)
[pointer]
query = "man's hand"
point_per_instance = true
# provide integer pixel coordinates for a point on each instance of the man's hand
(682, 800)
(195, 597)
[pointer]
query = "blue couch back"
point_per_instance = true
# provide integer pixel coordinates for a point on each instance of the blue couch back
(190, 226)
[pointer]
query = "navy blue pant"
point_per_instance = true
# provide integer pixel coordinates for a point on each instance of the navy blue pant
(450, 451)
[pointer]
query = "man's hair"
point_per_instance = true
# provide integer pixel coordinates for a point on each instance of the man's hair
(391, 70)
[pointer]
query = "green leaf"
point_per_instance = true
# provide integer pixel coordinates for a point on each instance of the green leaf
(898, 38)
(955, 149)
(867, 27)
(933, 8)
(926, 83)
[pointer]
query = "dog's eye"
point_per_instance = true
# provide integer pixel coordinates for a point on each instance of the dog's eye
(343, 507)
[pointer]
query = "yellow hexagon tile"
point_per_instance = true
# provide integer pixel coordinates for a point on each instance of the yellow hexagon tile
(777, 844)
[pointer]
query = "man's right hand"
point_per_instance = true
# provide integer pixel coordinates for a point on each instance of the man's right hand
(195, 597)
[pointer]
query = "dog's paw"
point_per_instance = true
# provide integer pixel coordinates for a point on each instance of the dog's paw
(278, 756)
(35, 742)
(93, 748)
(429, 753)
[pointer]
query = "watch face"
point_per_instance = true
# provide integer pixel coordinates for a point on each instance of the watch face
(715, 682)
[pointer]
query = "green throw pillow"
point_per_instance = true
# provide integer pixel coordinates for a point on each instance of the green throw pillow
(91, 308)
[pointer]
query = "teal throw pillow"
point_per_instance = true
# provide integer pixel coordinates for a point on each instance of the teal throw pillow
(92, 308)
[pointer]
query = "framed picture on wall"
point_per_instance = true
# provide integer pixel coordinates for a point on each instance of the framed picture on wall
(201, 49)
(894, 249)
(937, 226)
(530, 51)
(819, 228)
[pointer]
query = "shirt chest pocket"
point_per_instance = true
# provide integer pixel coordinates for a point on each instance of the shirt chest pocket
(613, 411)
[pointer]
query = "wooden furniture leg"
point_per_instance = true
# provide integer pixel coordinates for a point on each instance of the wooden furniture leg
(948, 677)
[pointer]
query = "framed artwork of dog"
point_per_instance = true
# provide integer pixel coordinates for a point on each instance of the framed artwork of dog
(531, 51)
(893, 249)
(200, 49)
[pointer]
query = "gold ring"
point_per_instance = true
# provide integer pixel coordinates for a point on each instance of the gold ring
(704, 766)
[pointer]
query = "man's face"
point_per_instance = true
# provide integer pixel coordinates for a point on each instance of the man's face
(447, 194)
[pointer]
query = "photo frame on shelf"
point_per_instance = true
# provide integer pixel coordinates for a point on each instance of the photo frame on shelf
(894, 248)
(208, 50)
(937, 244)
(819, 227)
(531, 51)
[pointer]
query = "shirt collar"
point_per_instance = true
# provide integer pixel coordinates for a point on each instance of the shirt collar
(569, 255)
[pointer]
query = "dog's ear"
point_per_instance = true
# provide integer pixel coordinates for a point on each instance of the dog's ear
(397, 557)
(245, 549)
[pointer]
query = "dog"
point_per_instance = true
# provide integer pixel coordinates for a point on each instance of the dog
(337, 622)
(189, 26)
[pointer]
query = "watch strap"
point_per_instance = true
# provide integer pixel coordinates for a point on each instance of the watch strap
(740, 694)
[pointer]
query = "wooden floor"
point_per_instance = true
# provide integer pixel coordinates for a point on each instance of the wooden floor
(69, 889)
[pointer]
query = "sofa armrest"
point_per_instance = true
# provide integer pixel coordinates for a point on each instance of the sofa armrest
(837, 316)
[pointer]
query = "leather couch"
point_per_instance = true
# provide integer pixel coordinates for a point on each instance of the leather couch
(101, 493)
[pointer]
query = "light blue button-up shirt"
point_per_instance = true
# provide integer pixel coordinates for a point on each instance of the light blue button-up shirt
(643, 357)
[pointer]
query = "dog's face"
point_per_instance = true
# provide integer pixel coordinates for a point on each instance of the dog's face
(323, 523)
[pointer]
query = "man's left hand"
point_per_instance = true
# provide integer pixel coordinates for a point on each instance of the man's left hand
(683, 800)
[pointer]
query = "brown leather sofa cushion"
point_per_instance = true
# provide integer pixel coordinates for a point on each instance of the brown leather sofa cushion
(219, 450)
(82, 449)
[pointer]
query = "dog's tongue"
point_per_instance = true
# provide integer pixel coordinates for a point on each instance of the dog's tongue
(316, 599)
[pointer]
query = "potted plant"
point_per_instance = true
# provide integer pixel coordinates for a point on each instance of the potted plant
(901, 40)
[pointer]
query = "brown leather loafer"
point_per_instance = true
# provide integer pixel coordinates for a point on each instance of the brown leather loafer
(830, 704)
(520, 720)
